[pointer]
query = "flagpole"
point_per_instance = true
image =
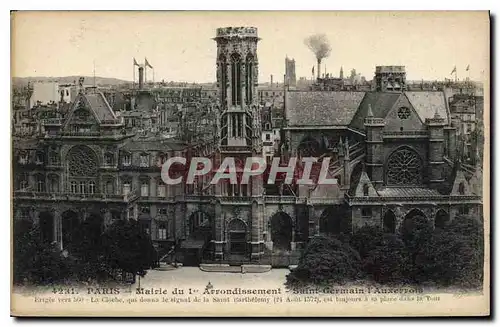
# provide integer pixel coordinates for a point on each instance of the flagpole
(133, 74)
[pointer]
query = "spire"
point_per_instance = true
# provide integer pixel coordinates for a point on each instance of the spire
(341, 148)
(341, 72)
(370, 112)
(346, 149)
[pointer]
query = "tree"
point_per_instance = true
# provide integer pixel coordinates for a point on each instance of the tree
(126, 247)
(325, 260)
(36, 261)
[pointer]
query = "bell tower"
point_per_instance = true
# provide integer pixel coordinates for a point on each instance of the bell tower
(237, 71)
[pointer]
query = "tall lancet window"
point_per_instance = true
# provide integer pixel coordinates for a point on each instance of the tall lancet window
(223, 78)
(249, 79)
(235, 80)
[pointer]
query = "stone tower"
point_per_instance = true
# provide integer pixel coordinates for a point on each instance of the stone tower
(237, 72)
(390, 78)
(237, 80)
(239, 133)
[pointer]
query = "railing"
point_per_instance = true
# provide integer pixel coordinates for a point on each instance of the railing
(234, 199)
(52, 121)
(229, 148)
(406, 134)
(111, 122)
(86, 134)
(447, 198)
(66, 195)
(280, 199)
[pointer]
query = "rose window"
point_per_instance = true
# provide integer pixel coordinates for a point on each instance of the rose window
(82, 162)
(404, 113)
(404, 168)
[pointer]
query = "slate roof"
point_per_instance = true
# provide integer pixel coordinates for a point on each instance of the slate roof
(153, 143)
(381, 103)
(321, 108)
(407, 192)
(425, 104)
(100, 106)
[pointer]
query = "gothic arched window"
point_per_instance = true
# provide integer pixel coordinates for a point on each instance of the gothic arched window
(249, 78)
(404, 167)
(223, 78)
(235, 79)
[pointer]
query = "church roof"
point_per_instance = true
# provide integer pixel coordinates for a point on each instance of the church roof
(426, 103)
(405, 192)
(321, 108)
(380, 103)
(153, 143)
(100, 106)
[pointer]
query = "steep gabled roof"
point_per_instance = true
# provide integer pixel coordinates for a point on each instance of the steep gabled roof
(100, 106)
(426, 103)
(321, 108)
(365, 180)
(380, 103)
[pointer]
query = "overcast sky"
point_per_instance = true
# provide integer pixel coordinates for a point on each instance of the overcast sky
(179, 45)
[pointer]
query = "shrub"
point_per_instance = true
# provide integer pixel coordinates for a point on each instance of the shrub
(326, 260)
(387, 260)
(126, 247)
(454, 256)
(366, 238)
(416, 233)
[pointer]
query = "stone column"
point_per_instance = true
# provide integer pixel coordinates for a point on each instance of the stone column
(57, 224)
(256, 231)
(313, 224)
(219, 233)
(180, 221)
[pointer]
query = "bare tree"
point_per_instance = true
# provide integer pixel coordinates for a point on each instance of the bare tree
(320, 46)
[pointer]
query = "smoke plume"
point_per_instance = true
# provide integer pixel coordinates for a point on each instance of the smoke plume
(320, 46)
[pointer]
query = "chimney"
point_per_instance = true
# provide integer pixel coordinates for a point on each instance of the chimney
(319, 67)
(141, 78)
(271, 80)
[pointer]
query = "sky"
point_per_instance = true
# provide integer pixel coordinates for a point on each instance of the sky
(180, 45)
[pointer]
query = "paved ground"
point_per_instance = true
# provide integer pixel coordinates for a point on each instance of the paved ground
(193, 277)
